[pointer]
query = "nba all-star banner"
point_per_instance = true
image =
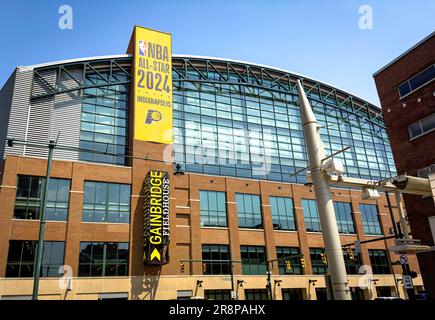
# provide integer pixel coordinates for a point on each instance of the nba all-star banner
(152, 52)
(156, 218)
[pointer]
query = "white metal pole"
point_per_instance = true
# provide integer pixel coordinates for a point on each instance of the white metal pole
(325, 206)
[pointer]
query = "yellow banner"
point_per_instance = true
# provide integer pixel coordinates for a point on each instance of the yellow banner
(152, 86)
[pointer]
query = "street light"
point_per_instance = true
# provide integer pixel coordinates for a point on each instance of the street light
(178, 172)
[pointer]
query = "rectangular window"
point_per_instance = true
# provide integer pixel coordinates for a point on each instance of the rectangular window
(217, 294)
(282, 213)
(422, 126)
(104, 121)
(292, 294)
(213, 208)
(318, 263)
(106, 202)
(216, 259)
(321, 294)
(288, 260)
(311, 215)
(256, 294)
(370, 219)
(424, 77)
(352, 265)
(379, 261)
(103, 259)
(21, 258)
(29, 198)
(249, 211)
(343, 214)
(253, 260)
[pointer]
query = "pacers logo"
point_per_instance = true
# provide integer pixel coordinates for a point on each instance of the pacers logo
(153, 115)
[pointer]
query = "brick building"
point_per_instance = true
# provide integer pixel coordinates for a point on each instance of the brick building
(237, 137)
(406, 90)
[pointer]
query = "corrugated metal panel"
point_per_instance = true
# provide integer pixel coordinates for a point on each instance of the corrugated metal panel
(39, 125)
(19, 108)
(5, 110)
(67, 116)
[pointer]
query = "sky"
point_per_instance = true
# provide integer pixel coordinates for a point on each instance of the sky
(318, 39)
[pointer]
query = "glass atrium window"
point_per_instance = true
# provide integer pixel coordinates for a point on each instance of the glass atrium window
(106, 202)
(104, 123)
(249, 211)
(311, 215)
(103, 259)
(217, 253)
(29, 198)
(21, 258)
(256, 133)
(213, 208)
(370, 219)
(317, 263)
(343, 214)
(282, 213)
(284, 254)
(253, 260)
(379, 262)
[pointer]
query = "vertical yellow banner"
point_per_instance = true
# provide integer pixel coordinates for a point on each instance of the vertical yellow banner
(152, 86)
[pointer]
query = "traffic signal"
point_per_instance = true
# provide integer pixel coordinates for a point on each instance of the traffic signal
(302, 259)
(181, 267)
(204, 268)
(351, 256)
(288, 266)
(324, 258)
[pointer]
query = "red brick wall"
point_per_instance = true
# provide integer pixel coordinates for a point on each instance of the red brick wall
(418, 153)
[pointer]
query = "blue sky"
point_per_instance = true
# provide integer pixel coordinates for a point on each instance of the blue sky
(319, 39)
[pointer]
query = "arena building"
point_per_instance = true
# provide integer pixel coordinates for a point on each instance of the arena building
(239, 205)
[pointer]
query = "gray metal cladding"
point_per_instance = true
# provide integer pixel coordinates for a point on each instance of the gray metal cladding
(41, 119)
(19, 112)
(66, 117)
(5, 109)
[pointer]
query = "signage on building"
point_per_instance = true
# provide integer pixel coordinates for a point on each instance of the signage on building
(156, 218)
(152, 90)
(407, 282)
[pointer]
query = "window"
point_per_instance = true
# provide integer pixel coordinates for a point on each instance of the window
(422, 126)
(284, 254)
(256, 294)
(292, 294)
(216, 253)
(379, 261)
(321, 294)
(213, 209)
(106, 202)
(249, 211)
(370, 219)
(217, 294)
(29, 198)
(317, 263)
(357, 293)
(384, 291)
(253, 260)
(311, 215)
(352, 266)
(104, 122)
(21, 258)
(282, 213)
(343, 214)
(417, 81)
(103, 259)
